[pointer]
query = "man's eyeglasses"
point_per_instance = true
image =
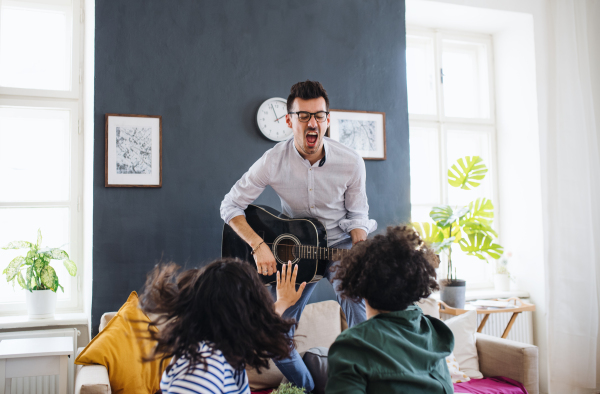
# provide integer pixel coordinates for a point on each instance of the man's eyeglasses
(304, 116)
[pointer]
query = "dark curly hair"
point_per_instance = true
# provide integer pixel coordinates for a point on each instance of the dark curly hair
(306, 90)
(223, 304)
(390, 271)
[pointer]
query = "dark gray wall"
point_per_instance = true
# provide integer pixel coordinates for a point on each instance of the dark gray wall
(206, 66)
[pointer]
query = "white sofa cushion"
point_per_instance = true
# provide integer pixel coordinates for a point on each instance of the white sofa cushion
(464, 328)
(319, 326)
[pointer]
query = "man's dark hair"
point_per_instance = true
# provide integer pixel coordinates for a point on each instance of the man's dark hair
(390, 271)
(224, 305)
(306, 90)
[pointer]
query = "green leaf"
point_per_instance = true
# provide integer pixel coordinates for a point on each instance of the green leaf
(480, 211)
(18, 245)
(14, 267)
(39, 265)
(456, 234)
(61, 288)
(29, 279)
(56, 254)
(444, 215)
(479, 228)
(70, 266)
(439, 247)
(429, 233)
(21, 280)
(472, 170)
(39, 238)
(478, 244)
(49, 278)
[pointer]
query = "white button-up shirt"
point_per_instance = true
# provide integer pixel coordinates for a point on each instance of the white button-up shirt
(334, 193)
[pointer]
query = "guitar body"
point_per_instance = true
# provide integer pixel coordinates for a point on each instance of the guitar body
(285, 237)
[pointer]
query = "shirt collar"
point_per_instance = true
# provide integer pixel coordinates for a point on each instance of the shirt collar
(321, 162)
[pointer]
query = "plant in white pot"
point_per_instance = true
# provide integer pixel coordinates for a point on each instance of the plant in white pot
(469, 226)
(502, 276)
(34, 273)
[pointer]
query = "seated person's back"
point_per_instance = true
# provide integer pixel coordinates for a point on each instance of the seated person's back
(398, 349)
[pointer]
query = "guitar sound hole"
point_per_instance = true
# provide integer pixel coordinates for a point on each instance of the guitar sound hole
(285, 250)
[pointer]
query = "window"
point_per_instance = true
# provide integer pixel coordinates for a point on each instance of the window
(451, 115)
(40, 144)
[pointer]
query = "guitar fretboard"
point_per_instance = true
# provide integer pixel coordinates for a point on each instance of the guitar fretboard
(314, 252)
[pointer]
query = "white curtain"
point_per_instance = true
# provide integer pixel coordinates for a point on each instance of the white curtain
(571, 196)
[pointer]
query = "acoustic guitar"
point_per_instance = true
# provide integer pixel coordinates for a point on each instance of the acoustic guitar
(301, 241)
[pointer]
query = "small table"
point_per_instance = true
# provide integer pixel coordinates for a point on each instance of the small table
(35, 357)
(520, 306)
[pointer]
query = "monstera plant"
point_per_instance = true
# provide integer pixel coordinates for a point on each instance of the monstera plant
(33, 271)
(469, 227)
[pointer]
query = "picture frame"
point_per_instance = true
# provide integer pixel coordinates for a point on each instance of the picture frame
(133, 150)
(363, 131)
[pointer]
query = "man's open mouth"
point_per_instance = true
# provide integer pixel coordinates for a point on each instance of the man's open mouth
(311, 139)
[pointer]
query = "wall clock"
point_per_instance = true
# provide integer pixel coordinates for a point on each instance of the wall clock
(271, 119)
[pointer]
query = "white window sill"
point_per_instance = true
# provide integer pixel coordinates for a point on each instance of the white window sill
(60, 319)
(486, 294)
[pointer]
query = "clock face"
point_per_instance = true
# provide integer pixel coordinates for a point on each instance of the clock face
(271, 119)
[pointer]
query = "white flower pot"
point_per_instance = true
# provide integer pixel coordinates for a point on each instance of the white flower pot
(501, 282)
(41, 304)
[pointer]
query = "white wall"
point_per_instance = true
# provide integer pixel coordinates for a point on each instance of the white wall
(518, 30)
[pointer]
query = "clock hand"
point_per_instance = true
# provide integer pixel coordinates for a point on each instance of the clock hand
(283, 116)
(276, 119)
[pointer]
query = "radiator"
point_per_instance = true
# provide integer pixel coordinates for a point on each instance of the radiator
(42, 384)
(521, 331)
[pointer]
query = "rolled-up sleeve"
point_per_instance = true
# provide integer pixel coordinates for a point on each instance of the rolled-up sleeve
(356, 203)
(246, 190)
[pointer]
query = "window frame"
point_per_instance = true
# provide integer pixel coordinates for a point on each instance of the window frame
(72, 101)
(443, 123)
(76, 61)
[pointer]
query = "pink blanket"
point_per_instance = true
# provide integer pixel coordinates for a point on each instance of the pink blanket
(495, 385)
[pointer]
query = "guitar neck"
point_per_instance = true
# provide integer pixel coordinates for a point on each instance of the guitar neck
(315, 252)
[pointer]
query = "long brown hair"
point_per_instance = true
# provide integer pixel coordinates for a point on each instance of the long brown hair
(224, 305)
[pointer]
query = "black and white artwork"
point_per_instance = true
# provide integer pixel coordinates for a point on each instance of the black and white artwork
(358, 134)
(133, 151)
(360, 130)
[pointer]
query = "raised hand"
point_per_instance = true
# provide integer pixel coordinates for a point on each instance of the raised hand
(287, 295)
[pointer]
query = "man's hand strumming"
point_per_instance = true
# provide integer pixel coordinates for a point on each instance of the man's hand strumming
(265, 261)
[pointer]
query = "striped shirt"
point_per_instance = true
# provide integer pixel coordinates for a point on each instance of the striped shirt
(218, 377)
(333, 192)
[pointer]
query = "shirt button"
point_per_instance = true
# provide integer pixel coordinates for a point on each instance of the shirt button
(310, 190)
(312, 207)
(310, 169)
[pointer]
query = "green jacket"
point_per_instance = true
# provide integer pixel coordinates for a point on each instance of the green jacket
(396, 352)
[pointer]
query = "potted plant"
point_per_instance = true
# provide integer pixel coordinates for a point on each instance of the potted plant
(288, 388)
(34, 273)
(502, 276)
(469, 226)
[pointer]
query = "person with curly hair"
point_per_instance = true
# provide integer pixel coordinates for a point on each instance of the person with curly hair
(397, 349)
(216, 321)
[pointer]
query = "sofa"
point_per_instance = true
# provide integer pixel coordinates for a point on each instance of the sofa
(322, 322)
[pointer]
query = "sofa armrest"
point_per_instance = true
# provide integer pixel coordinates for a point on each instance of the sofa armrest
(514, 360)
(92, 379)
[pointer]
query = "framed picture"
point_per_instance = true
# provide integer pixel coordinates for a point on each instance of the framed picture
(363, 131)
(133, 151)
